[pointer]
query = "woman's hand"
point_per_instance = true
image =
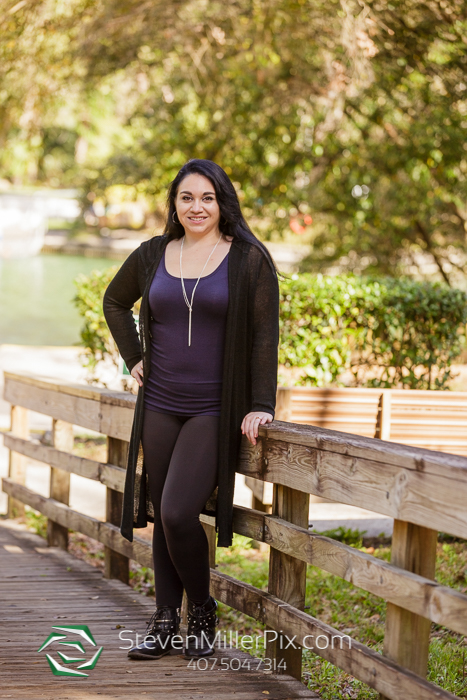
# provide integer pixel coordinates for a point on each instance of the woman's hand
(251, 422)
(137, 372)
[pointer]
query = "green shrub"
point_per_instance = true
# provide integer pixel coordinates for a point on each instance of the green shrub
(406, 332)
(95, 336)
(321, 323)
(415, 332)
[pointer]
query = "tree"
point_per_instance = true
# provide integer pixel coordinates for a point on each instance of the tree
(405, 144)
(350, 115)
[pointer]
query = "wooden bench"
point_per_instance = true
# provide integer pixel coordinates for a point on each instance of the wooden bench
(435, 420)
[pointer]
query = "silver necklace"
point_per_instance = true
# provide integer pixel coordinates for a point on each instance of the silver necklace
(188, 303)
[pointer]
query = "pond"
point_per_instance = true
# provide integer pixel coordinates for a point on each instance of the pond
(36, 298)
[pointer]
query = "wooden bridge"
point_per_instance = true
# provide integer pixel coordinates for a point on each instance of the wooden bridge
(425, 491)
(45, 587)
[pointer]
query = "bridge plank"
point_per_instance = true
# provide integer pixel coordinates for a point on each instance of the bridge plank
(353, 657)
(24, 671)
(415, 593)
(418, 486)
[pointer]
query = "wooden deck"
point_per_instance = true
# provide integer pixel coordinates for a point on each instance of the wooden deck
(42, 587)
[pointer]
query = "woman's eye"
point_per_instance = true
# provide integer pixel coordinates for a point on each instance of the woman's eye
(186, 198)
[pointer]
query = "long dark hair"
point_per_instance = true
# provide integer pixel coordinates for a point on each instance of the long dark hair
(232, 221)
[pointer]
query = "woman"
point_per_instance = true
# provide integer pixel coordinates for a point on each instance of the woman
(206, 367)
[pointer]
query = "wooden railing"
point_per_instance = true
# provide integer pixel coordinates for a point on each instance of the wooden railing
(436, 420)
(424, 491)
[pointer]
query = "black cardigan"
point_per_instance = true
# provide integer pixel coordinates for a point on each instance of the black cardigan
(249, 367)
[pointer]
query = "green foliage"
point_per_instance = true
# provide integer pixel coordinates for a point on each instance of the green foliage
(321, 321)
(405, 333)
(350, 536)
(415, 331)
(404, 142)
(353, 114)
(95, 336)
(142, 579)
(36, 521)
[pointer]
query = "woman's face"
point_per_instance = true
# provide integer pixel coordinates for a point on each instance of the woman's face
(196, 205)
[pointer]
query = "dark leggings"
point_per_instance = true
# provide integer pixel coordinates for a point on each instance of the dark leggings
(180, 457)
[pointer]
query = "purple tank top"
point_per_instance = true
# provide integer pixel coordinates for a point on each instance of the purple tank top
(183, 379)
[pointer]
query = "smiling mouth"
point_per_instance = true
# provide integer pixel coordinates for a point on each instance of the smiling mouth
(197, 218)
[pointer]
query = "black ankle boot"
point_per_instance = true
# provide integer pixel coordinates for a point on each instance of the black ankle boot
(202, 620)
(162, 627)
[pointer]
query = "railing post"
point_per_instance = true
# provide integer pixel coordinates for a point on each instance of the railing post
(19, 426)
(115, 565)
(62, 437)
(283, 404)
(287, 575)
(407, 636)
(210, 531)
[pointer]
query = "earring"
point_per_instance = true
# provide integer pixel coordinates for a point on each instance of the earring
(224, 222)
(173, 214)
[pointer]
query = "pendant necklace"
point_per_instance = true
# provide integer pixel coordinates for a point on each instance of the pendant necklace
(188, 303)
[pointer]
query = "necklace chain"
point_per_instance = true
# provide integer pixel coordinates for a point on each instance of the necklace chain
(188, 303)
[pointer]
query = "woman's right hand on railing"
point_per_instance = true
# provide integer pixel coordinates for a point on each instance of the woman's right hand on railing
(137, 372)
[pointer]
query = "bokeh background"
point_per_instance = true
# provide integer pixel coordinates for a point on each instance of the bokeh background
(342, 123)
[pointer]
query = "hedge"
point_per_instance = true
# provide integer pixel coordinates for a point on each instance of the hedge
(407, 333)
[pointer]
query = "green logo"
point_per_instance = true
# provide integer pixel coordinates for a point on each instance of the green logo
(72, 647)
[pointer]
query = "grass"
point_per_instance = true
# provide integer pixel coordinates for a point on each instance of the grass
(329, 598)
(91, 447)
(354, 612)
(36, 521)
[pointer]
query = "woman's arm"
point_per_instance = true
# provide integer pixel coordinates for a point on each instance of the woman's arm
(121, 295)
(264, 354)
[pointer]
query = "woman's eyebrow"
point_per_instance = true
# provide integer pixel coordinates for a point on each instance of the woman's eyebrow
(187, 192)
